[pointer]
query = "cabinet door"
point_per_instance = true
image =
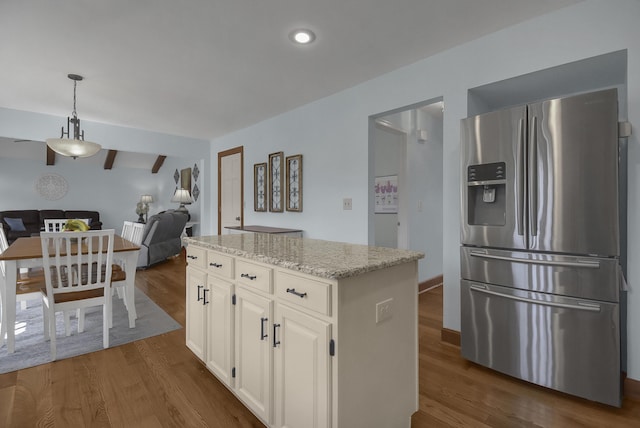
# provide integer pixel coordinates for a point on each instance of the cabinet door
(302, 370)
(196, 283)
(219, 331)
(253, 351)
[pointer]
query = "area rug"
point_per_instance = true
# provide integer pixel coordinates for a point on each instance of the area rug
(32, 350)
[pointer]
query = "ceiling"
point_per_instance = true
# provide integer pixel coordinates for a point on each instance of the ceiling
(204, 68)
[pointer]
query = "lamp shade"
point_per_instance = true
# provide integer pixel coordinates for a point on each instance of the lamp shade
(146, 199)
(73, 148)
(182, 196)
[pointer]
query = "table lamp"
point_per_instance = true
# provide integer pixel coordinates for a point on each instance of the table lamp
(182, 196)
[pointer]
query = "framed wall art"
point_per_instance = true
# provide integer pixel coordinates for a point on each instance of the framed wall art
(260, 187)
(386, 191)
(294, 183)
(276, 161)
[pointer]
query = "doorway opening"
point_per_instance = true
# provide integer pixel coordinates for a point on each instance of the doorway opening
(230, 188)
(405, 177)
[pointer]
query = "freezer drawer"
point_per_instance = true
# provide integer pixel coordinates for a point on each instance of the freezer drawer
(567, 344)
(595, 278)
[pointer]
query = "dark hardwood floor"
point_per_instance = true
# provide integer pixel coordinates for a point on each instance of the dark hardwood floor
(157, 382)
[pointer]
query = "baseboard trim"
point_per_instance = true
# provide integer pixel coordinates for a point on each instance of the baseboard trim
(430, 283)
(451, 337)
(632, 389)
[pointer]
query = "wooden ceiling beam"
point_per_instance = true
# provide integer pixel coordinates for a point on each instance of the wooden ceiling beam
(158, 164)
(51, 156)
(111, 157)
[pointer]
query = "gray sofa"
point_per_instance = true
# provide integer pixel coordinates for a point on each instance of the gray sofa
(162, 237)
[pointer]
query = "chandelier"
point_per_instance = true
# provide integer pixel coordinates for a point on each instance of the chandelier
(74, 144)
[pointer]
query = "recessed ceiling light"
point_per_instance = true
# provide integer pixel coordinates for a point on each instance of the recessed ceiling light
(302, 36)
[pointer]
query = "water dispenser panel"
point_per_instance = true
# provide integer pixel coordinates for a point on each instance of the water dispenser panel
(487, 172)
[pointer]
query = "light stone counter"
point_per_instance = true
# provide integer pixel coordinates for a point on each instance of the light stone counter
(325, 259)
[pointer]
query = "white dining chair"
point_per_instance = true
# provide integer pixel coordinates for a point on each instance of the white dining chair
(28, 286)
(131, 231)
(76, 279)
(127, 229)
(54, 224)
(136, 233)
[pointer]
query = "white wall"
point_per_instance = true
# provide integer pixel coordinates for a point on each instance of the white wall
(332, 133)
(114, 193)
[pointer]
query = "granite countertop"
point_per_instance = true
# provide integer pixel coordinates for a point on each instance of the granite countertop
(325, 259)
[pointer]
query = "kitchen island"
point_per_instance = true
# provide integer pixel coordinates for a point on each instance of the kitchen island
(307, 332)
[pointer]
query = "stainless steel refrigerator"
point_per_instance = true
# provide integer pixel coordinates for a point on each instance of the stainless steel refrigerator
(540, 244)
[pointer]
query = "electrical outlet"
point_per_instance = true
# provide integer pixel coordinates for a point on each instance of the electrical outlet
(346, 204)
(384, 310)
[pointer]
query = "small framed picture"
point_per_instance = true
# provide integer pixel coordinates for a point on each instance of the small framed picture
(260, 187)
(276, 161)
(386, 191)
(294, 183)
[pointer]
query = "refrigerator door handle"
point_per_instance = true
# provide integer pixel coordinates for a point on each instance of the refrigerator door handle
(520, 170)
(591, 264)
(580, 306)
(533, 177)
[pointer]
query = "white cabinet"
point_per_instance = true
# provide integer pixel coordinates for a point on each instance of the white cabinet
(196, 320)
(302, 369)
(210, 312)
(253, 352)
(304, 351)
(219, 326)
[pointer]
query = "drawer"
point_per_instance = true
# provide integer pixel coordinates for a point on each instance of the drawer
(197, 257)
(220, 264)
(305, 292)
(254, 275)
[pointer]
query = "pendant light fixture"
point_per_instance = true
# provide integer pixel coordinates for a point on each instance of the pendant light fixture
(74, 145)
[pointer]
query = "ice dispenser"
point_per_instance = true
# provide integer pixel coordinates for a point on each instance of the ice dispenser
(486, 187)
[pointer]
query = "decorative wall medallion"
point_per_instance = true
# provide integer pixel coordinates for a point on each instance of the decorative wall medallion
(176, 176)
(276, 163)
(195, 193)
(196, 171)
(260, 187)
(294, 183)
(51, 186)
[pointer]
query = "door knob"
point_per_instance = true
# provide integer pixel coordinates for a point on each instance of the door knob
(238, 218)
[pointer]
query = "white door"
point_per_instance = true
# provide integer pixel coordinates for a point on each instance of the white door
(220, 329)
(302, 370)
(230, 189)
(196, 283)
(253, 357)
(390, 148)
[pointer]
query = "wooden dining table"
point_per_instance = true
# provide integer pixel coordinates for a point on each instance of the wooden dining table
(27, 253)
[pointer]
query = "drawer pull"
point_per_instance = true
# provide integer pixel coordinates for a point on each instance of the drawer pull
(293, 291)
(216, 265)
(262, 334)
(246, 275)
(192, 257)
(275, 342)
(199, 288)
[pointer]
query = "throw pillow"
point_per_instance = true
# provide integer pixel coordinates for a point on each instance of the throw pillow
(15, 224)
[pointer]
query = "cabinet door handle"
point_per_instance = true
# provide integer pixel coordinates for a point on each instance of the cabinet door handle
(275, 342)
(199, 288)
(262, 334)
(217, 265)
(204, 296)
(248, 276)
(293, 291)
